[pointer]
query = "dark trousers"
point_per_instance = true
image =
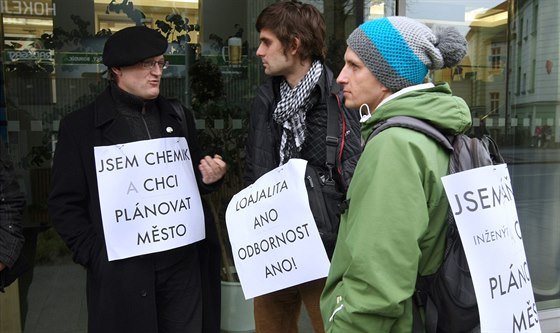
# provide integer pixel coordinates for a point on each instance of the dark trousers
(155, 293)
(179, 304)
(210, 264)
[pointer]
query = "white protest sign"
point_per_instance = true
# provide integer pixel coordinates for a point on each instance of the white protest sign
(273, 236)
(148, 196)
(484, 208)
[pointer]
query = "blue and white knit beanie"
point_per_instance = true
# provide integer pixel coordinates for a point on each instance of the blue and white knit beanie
(399, 51)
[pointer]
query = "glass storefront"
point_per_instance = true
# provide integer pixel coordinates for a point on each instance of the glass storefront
(51, 65)
(512, 90)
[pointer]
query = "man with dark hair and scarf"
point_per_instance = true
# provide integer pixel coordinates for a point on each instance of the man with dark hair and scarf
(159, 290)
(289, 120)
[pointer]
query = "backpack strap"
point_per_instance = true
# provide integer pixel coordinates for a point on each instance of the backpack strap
(333, 105)
(415, 124)
(331, 139)
(418, 326)
(420, 299)
(493, 149)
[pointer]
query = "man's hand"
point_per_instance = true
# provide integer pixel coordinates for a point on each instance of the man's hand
(212, 169)
(2, 266)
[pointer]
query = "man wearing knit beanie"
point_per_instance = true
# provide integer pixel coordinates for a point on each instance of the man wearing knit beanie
(395, 226)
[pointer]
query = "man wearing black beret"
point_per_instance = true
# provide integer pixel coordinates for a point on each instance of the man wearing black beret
(155, 292)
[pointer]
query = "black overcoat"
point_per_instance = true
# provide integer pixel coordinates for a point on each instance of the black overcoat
(120, 293)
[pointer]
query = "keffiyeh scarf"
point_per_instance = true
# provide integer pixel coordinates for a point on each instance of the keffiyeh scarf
(290, 112)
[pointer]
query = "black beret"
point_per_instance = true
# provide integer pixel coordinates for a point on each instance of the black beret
(131, 45)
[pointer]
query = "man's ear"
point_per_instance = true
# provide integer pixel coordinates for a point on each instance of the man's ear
(385, 89)
(294, 45)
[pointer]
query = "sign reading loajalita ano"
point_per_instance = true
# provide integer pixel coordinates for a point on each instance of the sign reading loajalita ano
(274, 238)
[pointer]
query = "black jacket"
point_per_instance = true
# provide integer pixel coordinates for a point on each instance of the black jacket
(263, 142)
(12, 203)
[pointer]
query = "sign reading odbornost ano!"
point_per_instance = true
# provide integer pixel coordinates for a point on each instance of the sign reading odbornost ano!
(273, 235)
(484, 208)
(149, 197)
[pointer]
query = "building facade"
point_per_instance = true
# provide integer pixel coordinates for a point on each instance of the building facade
(51, 52)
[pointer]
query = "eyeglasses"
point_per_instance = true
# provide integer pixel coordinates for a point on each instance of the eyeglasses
(150, 64)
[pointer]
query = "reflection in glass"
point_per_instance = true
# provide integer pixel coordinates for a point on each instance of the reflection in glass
(510, 86)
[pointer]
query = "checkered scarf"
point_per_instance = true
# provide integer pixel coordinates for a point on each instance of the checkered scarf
(291, 110)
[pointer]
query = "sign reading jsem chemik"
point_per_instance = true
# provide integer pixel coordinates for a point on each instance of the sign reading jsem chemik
(149, 197)
(273, 235)
(484, 208)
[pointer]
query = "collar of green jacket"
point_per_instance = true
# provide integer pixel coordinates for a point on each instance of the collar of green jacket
(435, 105)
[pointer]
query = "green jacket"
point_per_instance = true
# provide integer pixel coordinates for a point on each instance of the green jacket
(395, 225)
